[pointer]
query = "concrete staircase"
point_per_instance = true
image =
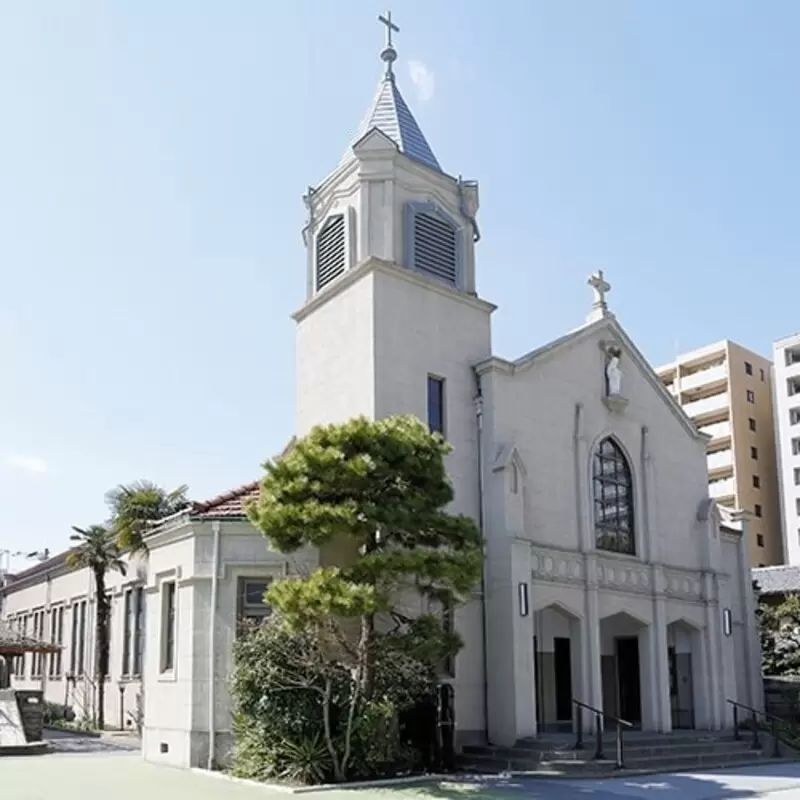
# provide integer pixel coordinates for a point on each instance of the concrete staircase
(554, 755)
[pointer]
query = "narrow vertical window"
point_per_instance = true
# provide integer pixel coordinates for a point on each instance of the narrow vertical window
(138, 630)
(436, 404)
(59, 642)
(81, 638)
(51, 670)
(168, 627)
(514, 479)
(73, 652)
(127, 633)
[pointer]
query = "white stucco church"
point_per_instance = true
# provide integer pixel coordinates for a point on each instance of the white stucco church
(611, 578)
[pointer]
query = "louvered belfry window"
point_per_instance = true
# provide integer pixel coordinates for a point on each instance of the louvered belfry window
(331, 250)
(435, 246)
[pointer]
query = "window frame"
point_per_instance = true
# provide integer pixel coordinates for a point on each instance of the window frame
(751, 396)
(609, 538)
(169, 626)
(441, 395)
(411, 210)
(748, 368)
(348, 221)
(251, 614)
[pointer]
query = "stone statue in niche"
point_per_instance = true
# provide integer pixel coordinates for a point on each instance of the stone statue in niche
(613, 373)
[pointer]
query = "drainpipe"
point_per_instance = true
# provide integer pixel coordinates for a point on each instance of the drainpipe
(212, 649)
(482, 528)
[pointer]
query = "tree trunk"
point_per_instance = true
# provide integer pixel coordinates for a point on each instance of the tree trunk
(101, 639)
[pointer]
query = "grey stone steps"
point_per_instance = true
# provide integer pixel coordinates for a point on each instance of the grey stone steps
(631, 750)
(642, 754)
(596, 769)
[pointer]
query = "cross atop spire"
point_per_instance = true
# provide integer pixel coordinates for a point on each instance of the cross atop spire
(601, 288)
(389, 54)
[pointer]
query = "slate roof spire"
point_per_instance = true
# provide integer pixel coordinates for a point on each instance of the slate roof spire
(390, 113)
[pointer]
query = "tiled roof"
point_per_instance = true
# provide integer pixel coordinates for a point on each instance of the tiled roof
(777, 580)
(229, 504)
(390, 114)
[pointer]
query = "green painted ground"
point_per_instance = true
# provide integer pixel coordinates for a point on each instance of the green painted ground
(127, 777)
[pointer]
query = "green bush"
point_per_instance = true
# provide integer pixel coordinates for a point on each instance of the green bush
(57, 713)
(278, 685)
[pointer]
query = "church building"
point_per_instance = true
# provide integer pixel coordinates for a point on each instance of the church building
(610, 578)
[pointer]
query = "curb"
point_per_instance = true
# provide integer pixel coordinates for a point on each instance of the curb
(325, 787)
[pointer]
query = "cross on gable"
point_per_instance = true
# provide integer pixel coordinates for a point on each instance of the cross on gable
(600, 286)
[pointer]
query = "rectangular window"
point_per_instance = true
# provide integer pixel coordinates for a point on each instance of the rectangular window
(38, 634)
(748, 367)
(436, 404)
(758, 511)
(760, 539)
(756, 482)
(797, 476)
(57, 638)
(127, 632)
(794, 416)
(754, 453)
(138, 630)
(168, 626)
(251, 607)
(761, 373)
(796, 446)
(752, 423)
(797, 506)
(78, 639)
(73, 649)
(751, 396)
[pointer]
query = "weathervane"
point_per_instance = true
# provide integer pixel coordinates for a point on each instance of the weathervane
(389, 54)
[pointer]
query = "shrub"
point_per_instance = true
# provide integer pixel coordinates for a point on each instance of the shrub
(285, 685)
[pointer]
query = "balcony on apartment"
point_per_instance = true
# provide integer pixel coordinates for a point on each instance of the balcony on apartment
(718, 431)
(722, 491)
(713, 378)
(720, 463)
(717, 405)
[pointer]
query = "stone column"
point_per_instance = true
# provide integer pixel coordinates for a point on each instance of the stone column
(663, 719)
(592, 668)
(713, 647)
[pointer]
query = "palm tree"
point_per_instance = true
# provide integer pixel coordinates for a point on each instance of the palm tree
(98, 552)
(136, 506)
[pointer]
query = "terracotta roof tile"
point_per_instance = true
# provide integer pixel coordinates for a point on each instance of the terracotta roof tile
(229, 504)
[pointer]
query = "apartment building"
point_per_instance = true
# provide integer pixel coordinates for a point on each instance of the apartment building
(786, 353)
(727, 392)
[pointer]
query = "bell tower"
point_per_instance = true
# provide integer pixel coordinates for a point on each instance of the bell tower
(392, 322)
(390, 271)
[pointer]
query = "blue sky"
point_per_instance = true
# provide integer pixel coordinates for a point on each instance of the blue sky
(153, 157)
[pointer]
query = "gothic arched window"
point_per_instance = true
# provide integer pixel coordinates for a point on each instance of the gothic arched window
(612, 488)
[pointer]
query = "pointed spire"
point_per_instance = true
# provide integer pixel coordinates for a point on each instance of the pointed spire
(390, 113)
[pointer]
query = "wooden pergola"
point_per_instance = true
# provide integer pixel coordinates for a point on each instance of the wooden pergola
(15, 643)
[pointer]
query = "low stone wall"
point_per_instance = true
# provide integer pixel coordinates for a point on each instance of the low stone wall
(31, 709)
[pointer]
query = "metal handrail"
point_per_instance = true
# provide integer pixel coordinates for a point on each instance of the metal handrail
(754, 715)
(599, 715)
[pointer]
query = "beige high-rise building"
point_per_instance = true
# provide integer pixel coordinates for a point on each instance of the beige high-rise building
(727, 391)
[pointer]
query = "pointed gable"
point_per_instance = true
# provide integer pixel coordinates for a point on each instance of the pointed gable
(584, 333)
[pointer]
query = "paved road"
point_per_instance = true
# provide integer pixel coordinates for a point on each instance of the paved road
(81, 768)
